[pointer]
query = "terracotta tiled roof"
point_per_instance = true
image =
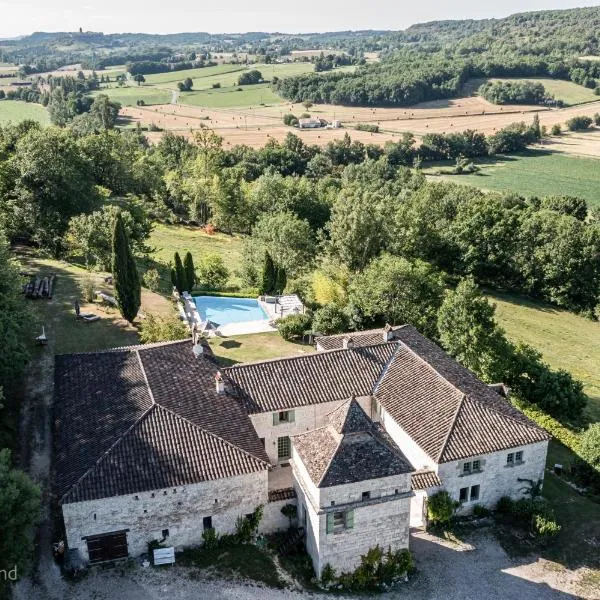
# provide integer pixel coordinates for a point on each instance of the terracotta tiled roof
(448, 411)
(367, 337)
(144, 417)
(283, 494)
(304, 380)
(422, 480)
(349, 449)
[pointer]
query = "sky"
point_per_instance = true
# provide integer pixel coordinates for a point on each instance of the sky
(20, 17)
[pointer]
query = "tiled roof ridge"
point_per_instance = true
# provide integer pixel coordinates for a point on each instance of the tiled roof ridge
(109, 450)
(141, 362)
(131, 348)
(387, 365)
(213, 435)
(363, 332)
(340, 437)
(451, 428)
(240, 366)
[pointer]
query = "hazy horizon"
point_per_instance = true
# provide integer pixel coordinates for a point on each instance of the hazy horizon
(150, 16)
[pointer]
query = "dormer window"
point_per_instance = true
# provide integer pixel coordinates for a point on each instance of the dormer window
(366, 495)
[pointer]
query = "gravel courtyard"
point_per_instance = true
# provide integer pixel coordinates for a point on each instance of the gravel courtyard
(475, 571)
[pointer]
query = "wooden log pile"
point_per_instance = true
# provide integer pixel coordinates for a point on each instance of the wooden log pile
(40, 287)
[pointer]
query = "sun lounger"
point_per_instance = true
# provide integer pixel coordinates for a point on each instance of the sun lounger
(89, 318)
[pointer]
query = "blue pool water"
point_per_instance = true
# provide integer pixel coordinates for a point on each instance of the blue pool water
(223, 311)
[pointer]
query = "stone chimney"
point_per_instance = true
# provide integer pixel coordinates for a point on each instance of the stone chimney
(347, 342)
(388, 333)
(219, 383)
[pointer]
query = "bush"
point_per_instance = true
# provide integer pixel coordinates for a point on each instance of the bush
(212, 272)
(505, 505)
(246, 527)
(88, 288)
(544, 527)
(589, 448)
(290, 511)
(370, 127)
(290, 120)
(293, 326)
(330, 319)
(216, 86)
(327, 575)
(151, 279)
(250, 77)
(480, 511)
(556, 130)
(597, 119)
(578, 123)
(441, 508)
(210, 539)
(162, 329)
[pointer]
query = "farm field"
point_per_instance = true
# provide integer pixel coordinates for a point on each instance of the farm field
(566, 340)
(231, 96)
(128, 96)
(538, 172)
(15, 111)
(568, 92)
(195, 74)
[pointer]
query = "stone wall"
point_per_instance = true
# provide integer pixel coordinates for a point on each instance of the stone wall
(273, 519)
(180, 510)
(496, 479)
(306, 418)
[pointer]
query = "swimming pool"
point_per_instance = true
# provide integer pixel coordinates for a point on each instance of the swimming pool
(223, 311)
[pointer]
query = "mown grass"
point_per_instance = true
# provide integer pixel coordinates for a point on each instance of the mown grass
(535, 173)
(566, 340)
(255, 346)
(168, 239)
(128, 96)
(232, 96)
(196, 74)
(15, 111)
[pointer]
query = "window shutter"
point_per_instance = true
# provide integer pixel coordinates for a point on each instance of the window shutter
(349, 519)
(292, 416)
(275, 418)
(330, 522)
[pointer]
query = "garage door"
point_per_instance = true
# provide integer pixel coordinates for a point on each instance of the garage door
(108, 546)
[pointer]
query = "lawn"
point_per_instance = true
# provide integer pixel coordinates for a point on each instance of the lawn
(168, 239)
(65, 333)
(255, 346)
(566, 340)
(128, 96)
(229, 97)
(195, 74)
(15, 111)
(535, 173)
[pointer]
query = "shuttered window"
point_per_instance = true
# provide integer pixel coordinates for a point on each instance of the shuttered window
(284, 416)
(338, 521)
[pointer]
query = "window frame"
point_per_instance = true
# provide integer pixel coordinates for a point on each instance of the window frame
(510, 459)
(474, 468)
(518, 457)
(281, 440)
(205, 520)
(474, 487)
(460, 494)
(466, 470)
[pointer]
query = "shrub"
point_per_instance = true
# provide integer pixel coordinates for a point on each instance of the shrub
(290, 120)
(216, 86)
(210, 539)
(330, 319)
(590, 446)
(162, 329)
(480, 511)
(290, 511)
(505, 505)
(327, 575)
(597, 119)
(370, 127)
(250, 77)
(544, 527)
(293, 326)
(88, 288)
(246, 527)
(578, 123)
(441, 508)
(212, 271)
(556, 130)
(151, 279)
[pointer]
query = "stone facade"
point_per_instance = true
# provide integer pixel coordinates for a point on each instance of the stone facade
(496, 478)
(382, 518)
(305, 418)
(181, 510)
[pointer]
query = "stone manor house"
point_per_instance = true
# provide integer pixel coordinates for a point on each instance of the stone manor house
(157, 442)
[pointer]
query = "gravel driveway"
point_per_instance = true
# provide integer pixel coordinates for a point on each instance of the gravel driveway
(480, 570)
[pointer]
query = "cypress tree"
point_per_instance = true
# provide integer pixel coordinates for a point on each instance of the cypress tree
(190, 272)
(180, 278)
(173, 277)
(268, 280)
(280, 280)
(128, 289)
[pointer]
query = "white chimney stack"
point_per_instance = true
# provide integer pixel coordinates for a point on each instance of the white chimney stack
(347, 342)
(219, 383)
(388, 333)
